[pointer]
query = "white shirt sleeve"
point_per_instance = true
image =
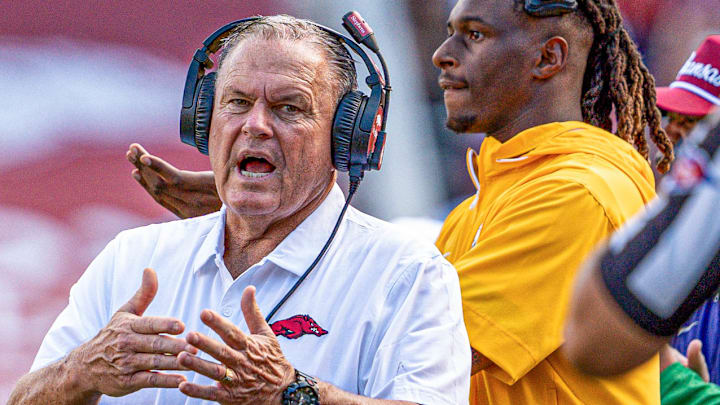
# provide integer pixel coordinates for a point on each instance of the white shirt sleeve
(424, 355)
(87, 312)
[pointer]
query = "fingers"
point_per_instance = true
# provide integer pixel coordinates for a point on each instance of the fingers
(149, 361)
(134, 155)
(138, 177)
(218, 350)
(152, 325)
(144, 295)
(228, 332)
(679, 358)
(137, 150)
(253, 316)
(669, 356)
(696, 360)
(207, 368)
(138, 156)
(149, 379)
(158, 183)
(158, 344)
(151, 180)
(150, 172)
(203, 391)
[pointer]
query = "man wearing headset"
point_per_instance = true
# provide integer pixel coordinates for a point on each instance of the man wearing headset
(378, 321)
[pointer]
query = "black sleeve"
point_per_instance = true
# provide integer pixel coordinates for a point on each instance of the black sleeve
(666, 262)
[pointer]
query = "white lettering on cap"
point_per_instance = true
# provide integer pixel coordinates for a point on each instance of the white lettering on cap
(702, 71)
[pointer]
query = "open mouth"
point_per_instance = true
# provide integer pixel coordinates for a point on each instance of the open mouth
(255, 167)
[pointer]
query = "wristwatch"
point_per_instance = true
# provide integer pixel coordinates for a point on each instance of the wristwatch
(304, 390)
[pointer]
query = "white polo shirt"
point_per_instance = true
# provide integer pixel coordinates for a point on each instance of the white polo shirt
(379, 316)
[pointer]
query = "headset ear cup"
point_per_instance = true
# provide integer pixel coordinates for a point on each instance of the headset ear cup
(346, 114)
(203, 111)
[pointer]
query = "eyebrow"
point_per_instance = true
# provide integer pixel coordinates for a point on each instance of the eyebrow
(468, 19)
(235, 91)
(290, 95)
(282, 95)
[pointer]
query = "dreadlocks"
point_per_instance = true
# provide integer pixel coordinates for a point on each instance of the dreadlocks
(616, 78)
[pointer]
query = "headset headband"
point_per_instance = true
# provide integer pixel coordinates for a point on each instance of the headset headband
(372, 124)
(550, 8)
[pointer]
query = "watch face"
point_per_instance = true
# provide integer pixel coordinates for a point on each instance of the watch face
(302, 391)
(300, 395)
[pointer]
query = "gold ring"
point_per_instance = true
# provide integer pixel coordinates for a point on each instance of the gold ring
(228, 378)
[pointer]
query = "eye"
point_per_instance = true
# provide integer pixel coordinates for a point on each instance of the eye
(476, 36)
(240, 102)
(289, 108)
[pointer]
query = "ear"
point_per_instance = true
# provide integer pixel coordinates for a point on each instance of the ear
(552, 59)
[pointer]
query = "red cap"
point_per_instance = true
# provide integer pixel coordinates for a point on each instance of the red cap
(696, 90)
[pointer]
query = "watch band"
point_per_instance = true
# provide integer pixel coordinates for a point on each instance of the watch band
(304, 390)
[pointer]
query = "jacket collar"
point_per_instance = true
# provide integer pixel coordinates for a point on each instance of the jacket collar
(495, 157)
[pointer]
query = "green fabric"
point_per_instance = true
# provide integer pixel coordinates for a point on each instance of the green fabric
(681, 386)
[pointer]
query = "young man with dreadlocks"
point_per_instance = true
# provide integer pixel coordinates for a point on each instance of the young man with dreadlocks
(543, 79)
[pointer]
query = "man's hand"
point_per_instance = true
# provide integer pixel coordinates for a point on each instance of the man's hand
(184, 193)
(119, 359)
(255, 364)
(695, 359)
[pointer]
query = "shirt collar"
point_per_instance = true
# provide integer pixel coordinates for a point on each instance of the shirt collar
(297, 251)
(213, 246)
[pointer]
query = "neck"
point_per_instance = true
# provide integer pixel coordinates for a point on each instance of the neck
(249, 239)
(546, 107)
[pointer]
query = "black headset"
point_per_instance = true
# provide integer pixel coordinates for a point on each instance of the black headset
(358, 130)
(550, 8)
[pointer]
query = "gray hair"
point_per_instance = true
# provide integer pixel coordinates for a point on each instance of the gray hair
(342, 66)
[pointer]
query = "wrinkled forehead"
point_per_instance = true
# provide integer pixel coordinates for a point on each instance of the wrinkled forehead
(296, 61)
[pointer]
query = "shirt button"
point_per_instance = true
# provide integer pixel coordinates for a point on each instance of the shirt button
(227, 311)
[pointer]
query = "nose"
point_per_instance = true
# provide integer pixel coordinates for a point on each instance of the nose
(443, 57)
(258, 122)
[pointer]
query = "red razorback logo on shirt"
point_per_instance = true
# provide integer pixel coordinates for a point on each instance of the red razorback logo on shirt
(296, 326)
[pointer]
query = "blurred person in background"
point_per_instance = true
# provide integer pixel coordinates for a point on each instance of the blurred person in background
(678, 28)
(687, 100)
(549, 186)
(376, 300)
(694, 94)
(652, 275)
(667, 31)
(695, 91)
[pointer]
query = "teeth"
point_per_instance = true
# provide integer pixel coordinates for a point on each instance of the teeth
(251, 174)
